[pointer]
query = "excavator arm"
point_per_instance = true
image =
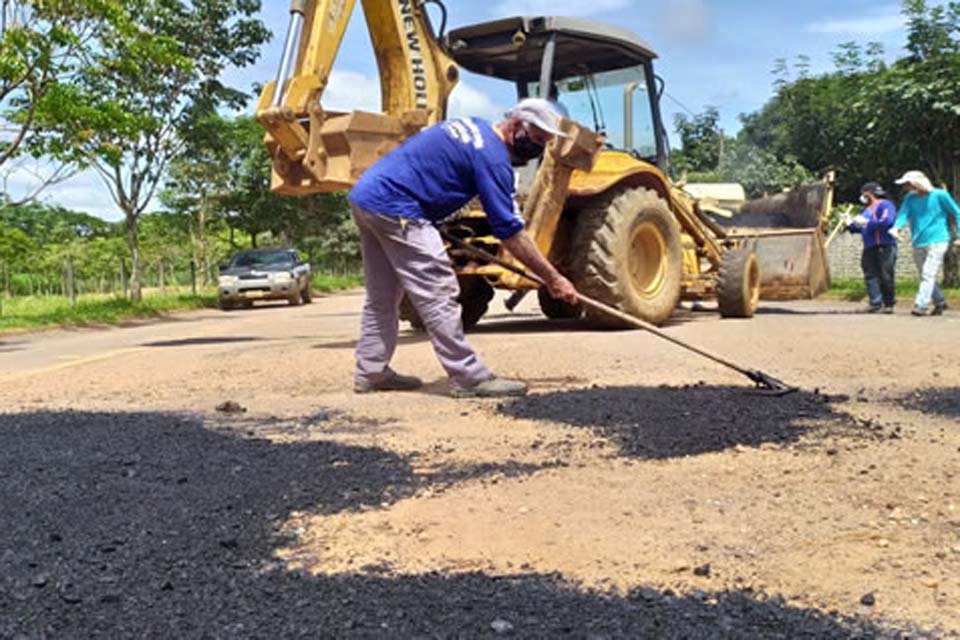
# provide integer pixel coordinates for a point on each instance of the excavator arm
(315, 150)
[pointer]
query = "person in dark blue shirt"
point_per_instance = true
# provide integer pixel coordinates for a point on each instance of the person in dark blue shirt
(396, 203)
(879, 258)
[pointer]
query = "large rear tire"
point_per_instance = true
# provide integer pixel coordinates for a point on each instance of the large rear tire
(738, 284)
(474, 299)
(627, 252)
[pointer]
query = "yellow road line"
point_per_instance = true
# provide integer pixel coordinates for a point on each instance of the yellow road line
(78, 362)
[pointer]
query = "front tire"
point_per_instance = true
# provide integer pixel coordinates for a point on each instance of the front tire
(294, 298)
(628, 253)
(738, 284)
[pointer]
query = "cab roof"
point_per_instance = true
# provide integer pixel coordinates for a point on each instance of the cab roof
(512, 48)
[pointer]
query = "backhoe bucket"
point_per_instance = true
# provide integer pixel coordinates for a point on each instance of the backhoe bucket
(786, 230)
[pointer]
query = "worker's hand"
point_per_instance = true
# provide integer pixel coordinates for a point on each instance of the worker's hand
(894, 233)
(562, 289)
(861, 221)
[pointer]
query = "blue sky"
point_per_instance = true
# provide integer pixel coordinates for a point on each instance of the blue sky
(712, 52)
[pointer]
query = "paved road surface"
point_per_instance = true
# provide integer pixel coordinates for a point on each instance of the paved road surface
(638, 491)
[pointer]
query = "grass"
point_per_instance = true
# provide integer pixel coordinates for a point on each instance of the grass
(31, 312)
(42, 311)
(856, 291)
(326, 283)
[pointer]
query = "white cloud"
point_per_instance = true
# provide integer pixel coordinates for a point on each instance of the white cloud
(350, 90)
(468, 101)
(507, 8)
(686, 21)
(82, 192)
(876, 25)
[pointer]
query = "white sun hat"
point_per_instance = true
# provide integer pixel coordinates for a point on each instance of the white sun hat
(540, 113)
(917, 179)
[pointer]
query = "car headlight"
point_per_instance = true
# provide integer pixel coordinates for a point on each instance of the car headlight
(281, 277)
(228, 280)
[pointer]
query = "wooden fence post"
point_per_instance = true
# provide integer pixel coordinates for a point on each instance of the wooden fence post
(193, 277)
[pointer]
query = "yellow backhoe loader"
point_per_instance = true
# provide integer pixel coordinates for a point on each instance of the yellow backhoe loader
(600, 204)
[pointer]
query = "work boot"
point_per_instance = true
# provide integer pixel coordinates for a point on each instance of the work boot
(938, 309)
(492, 388)
(888, 310)
(396, 382)
(873, 308)
(917, 311)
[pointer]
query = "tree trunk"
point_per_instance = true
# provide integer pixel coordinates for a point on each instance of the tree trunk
(123, 277)
(163, 283)
(71, 285)
(201, 236)
(951, 263)
(253, 239)
(133, 242)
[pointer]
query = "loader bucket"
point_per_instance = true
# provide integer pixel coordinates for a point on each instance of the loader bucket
(786, 230)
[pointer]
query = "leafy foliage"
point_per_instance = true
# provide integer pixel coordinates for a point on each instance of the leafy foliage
(152, 81)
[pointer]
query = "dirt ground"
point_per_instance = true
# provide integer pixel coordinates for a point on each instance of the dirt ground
(637, 491)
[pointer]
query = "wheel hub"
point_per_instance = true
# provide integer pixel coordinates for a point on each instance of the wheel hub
(647, 261)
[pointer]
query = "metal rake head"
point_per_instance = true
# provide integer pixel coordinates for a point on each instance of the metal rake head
(768, 385)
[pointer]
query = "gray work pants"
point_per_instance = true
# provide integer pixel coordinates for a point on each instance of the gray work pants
(409, 256)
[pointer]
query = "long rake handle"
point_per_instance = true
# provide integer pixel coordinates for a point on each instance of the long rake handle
(754, 375)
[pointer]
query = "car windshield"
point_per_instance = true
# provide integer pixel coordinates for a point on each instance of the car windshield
(262, 259)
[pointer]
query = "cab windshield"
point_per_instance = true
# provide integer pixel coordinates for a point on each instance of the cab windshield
(597, 100)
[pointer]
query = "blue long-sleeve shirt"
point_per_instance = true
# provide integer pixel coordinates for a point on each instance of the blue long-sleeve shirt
(928, 216)
(439, 170)
(879, 220)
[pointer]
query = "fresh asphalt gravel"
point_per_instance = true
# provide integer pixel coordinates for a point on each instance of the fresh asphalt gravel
(155, 525)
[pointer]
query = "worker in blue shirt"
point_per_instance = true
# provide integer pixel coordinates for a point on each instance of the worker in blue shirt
(879, 258)
(927, 211)
(395, 205)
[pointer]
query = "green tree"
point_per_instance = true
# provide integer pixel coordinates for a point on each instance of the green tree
(701, 139)
(146, 91)
(43, 46)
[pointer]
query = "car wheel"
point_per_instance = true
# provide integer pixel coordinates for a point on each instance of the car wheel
(307, 295)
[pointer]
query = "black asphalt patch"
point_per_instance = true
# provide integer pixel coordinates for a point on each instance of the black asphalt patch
(668, 422)
(150, 525)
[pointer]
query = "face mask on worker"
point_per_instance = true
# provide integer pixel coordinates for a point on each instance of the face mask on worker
(524, 149)
(864, 199)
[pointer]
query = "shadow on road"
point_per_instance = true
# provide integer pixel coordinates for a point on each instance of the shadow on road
(668, 422)
(937, 402)
(783, 311)
(405, 338)
(152, 525)
(200, 341)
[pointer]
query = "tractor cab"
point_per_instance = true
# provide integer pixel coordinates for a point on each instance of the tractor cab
(597, 74)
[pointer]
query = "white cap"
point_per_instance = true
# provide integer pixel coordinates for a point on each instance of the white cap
(540, 113)
(917, 179)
